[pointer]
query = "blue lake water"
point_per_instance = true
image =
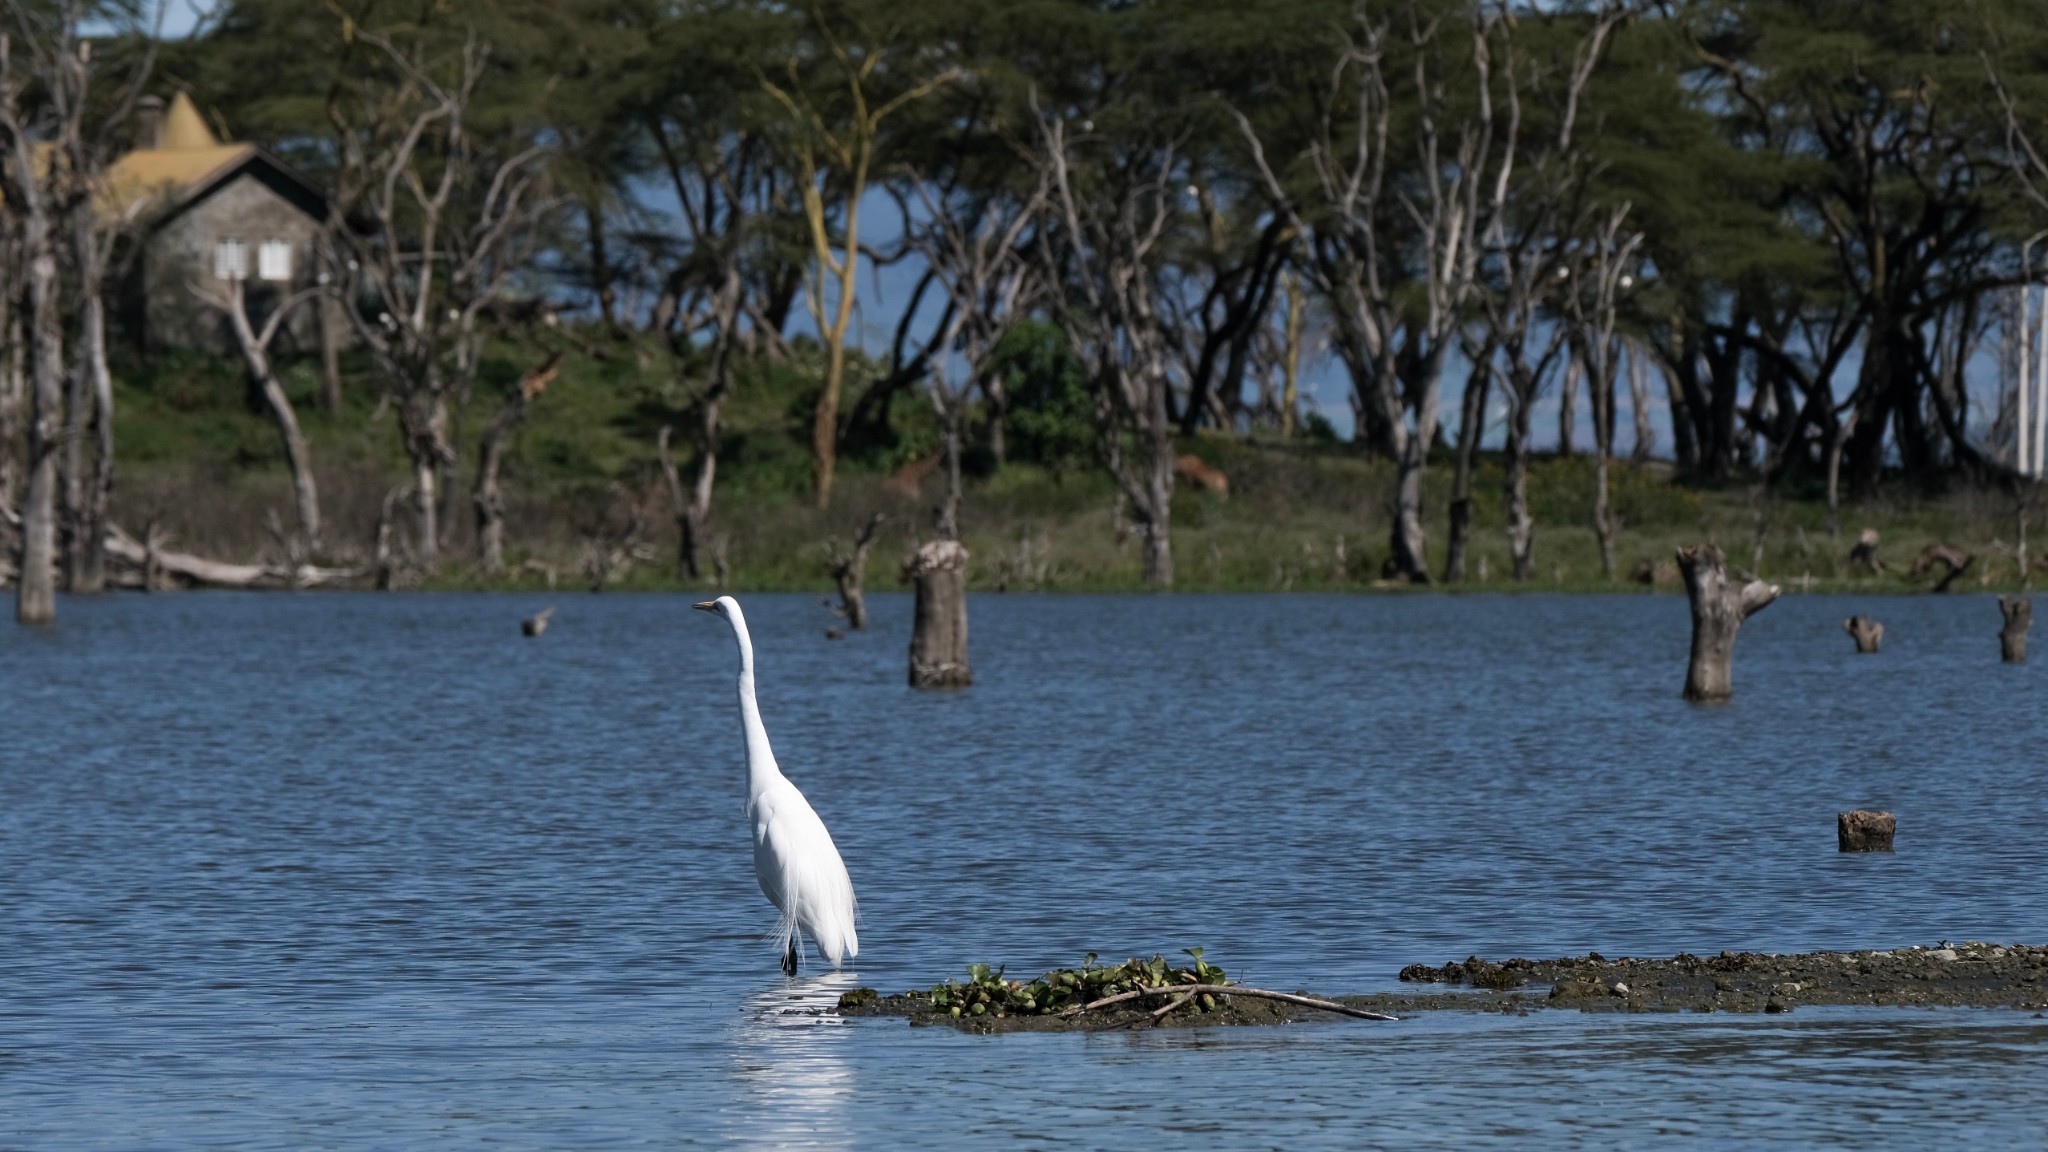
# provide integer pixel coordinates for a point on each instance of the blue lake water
(355, 870)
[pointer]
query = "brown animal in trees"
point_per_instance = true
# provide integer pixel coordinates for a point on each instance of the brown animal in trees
(1201, 474)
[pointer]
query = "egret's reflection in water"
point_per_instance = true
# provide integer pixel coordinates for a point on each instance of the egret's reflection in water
(796, 1084)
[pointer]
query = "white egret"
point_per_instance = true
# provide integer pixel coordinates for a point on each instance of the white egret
(794, 858)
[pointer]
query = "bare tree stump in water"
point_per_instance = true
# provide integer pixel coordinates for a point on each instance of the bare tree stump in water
(848, 570)
(1864, 554)
(1867, 633)
(938, 639)
(2019, 617)
(537, 623)
(1864, 831)
(1719, 606)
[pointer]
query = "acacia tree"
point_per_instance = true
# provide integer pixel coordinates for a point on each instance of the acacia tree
(1110, 208)
(1593, 308)
(56, 137)
(1387, 203)
(832, 142)
(434, 229)
(254, 343)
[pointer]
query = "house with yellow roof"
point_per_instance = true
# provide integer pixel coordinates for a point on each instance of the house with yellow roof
(206, 212)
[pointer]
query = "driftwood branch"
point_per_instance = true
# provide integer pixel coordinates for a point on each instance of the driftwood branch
(200, 570)
(1231, 990)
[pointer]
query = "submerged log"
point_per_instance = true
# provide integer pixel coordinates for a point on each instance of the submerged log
(2019, 617)
(537, 623)
(938, 638)
(1719, 606)
(1867, 633)
(1864, 831)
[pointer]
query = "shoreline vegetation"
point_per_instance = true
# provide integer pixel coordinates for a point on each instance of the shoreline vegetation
(1973, 974)
(586, 505)
(548, 296)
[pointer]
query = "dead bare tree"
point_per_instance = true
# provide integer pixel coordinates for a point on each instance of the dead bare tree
(849, 569)
(35, 207)
(1593, 307)
(487, 497)
(1528, 260)
(1398, 296)
(13, 398)
(1101, 246)
(431, 231)
(983, 267)
(1471, 430)
(693, 512)
(976, 253)
(254, 343)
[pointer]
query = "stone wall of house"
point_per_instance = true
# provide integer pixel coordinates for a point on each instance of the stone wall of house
(178, 263)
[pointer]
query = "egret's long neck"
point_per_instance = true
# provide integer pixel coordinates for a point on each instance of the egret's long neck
(761, 767)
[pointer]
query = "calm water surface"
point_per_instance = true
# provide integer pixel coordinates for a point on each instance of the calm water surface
(350, 870)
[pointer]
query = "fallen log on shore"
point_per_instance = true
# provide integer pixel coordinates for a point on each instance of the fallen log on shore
(142, 559)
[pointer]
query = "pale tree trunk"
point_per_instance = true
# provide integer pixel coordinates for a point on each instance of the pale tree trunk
(1521, 525)
(255, 347)
(426, 511)
(1639, 404)
(99, 500)
(938, 641)
(13, 399)
(35, 600)
(1719, 606)
(1411, 538)
(71, 474)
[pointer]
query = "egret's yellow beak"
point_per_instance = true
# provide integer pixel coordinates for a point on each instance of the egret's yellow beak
(706, 606)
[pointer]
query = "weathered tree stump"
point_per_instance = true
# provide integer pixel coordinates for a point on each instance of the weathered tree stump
(1867, 633)
(848, 570)
(537, 623)
(1864, 831)
(1719, 606)
(938, 638)
(1864, 554)
(2012, 639)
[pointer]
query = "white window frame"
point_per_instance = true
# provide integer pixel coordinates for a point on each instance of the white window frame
(230, 259)
(274, 260)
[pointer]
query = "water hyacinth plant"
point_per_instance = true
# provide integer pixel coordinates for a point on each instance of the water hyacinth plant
(987, 993)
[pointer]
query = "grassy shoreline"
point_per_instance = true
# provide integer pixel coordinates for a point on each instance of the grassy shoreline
(1303, 514)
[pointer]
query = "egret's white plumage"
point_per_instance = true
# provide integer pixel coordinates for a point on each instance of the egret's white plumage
(794, 858)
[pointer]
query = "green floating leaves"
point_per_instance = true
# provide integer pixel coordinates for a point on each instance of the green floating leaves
(987, 992)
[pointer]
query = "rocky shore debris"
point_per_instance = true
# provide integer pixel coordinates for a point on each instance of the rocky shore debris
(1973, 974)
(1864, 831)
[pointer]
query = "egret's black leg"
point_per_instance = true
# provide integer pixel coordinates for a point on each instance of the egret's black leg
(789, 957)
